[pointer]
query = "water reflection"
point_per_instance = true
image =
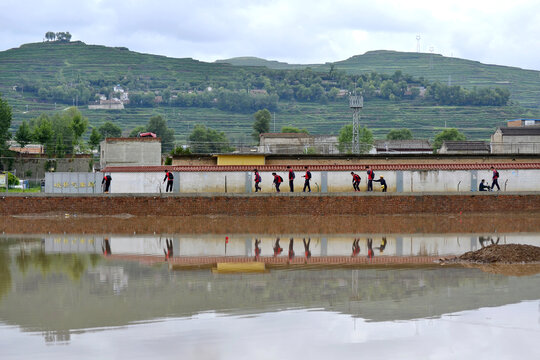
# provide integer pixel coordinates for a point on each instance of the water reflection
(65, 288)
(174, 246)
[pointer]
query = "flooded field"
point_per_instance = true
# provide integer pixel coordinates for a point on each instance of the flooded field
(320, 294)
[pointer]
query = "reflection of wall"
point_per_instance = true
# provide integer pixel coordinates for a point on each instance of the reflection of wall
(244, 245)
(147, 245)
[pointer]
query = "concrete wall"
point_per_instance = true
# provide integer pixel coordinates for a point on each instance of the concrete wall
(36, 166)
(325, 181)
(73, 183)
(130, 152)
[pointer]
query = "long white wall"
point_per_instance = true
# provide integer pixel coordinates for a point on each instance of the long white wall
(325, 181)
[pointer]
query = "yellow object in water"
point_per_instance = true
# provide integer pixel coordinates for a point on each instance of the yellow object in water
(235, 267)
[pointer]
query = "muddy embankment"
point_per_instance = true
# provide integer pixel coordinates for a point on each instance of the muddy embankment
(506, 259)
(472, 223)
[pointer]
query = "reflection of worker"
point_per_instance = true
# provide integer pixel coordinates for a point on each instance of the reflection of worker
(106, 183)
(484, 186)
(355, 181)
(277, 249)
(106, 247)
(307, 252)
(170, 179)
(169, 251)
(257, 180)
(257, 249)
(277, 181)
(291, 249)
(482, 240)
(383, 183)
(291, 178)
(355, 247)
(370, 253)
(383, 244)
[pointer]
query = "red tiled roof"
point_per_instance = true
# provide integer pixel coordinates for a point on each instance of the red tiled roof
(134, 139)
(380, 167)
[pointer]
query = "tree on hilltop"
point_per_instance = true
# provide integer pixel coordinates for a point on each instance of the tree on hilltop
(63, 36)
(50, 36)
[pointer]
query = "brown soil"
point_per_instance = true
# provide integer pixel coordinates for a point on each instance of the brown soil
(506, 254)
(508, 269)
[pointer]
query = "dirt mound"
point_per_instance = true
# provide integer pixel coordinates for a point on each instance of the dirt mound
(507, 269)
(509, 253)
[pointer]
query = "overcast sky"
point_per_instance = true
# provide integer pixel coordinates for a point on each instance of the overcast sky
(294, 31)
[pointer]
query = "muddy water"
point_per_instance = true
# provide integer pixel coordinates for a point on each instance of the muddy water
(111, 295)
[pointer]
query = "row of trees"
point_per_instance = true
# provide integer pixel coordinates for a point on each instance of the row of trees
(456, 95)
(233, 93)
(59, 36)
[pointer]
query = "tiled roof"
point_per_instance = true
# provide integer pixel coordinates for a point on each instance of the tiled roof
(285, 135)
(298, 168)
(532, 130)
(466, 145)
(132, 139)
(403, 144)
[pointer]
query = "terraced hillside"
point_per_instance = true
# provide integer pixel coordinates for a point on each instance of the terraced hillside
(523, 84)
(69, 64)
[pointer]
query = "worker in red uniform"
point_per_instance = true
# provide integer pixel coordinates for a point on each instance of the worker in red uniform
(356, 181)
(291, 249)
(277, 249)
(370, 177)
(169, 251)
(307, 252)
(370, 253)
(257, 249)
(170, 179)
(257, 180)
(307, 176)
(277, 181)
(495, 179)
(106, 247)
(291, 178)
(355, 247)
(106, 183)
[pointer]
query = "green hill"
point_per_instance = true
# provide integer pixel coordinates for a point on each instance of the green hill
(523, 84)
(255, 61)
(77, 71)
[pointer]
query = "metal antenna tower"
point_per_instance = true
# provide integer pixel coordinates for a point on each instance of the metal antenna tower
(417, 43)
(356, 103)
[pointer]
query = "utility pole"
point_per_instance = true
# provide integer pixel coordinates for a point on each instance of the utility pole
(356, 103)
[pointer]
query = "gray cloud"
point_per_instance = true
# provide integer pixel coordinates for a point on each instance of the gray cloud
(298, 31)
